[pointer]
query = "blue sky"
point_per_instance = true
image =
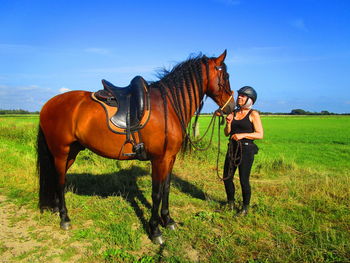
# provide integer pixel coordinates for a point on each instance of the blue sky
(296, 54)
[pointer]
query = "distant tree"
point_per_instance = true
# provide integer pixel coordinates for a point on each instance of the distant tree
(19, 111)
(298, 112)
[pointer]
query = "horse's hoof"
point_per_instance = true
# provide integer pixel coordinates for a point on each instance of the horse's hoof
(55, 210)
(65, 225)
(158, 240)
(171, 226)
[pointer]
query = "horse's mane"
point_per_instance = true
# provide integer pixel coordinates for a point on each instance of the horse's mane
(185, 79)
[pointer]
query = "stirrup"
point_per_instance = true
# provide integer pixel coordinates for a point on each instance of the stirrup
(129, 154)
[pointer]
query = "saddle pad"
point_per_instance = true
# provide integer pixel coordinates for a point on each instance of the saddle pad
(111, 111)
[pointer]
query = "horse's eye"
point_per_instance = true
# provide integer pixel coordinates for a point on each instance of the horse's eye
(218, 68)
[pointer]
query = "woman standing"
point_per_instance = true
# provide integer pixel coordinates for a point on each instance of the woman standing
(243, 126)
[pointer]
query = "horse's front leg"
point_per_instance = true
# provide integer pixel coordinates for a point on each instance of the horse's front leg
(160, 171)
(167, 221)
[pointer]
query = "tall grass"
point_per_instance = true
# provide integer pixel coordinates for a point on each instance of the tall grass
(300, 203)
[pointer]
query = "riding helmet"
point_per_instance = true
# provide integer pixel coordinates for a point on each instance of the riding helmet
(249, 92)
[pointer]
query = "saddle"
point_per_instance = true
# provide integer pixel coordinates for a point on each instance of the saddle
(127, 108)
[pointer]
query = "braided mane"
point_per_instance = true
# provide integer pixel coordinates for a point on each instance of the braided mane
(184, 80)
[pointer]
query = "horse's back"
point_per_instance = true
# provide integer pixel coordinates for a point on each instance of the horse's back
(64, 102)
(61, 107)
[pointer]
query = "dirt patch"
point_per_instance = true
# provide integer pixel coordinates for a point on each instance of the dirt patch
(22, 239)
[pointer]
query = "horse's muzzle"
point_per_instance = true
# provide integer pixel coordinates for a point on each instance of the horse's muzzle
(229, 106)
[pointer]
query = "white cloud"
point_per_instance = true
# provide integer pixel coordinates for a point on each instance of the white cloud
(30, 97)
(299, 24)
(63, 90)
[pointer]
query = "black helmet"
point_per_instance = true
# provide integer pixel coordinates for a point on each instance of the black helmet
(249, 92)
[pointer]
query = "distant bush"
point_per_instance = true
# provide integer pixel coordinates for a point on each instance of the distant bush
(294, 112)
(19, 111)
(303, 112)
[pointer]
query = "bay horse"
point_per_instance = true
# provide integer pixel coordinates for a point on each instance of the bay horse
(73, 121)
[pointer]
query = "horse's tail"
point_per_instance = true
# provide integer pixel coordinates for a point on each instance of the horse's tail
(48, 178)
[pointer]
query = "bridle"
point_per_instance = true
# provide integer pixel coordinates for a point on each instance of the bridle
(227, 102)
(222, 83)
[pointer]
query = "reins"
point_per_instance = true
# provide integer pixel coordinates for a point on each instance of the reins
(194, 143)
(234, 155)
(235, 160)
(188, 136)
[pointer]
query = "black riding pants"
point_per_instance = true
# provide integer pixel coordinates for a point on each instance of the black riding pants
(249, 149)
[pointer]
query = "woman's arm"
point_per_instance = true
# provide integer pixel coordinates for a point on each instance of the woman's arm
(227, 129)
(258, 129)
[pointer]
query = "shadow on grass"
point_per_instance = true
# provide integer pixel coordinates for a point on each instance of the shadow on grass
(124, 183)
(187, 187)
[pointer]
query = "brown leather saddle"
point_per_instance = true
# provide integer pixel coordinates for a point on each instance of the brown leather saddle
(127, 109)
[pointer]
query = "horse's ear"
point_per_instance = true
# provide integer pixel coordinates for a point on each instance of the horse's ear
(220, 59)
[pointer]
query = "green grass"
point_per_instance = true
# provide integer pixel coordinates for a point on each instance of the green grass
(307, 141)
(300, 203)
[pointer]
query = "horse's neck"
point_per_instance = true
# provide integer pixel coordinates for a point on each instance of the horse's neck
(187, 99)
(195, 99)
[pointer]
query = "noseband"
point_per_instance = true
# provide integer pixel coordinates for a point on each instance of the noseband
(227, 102)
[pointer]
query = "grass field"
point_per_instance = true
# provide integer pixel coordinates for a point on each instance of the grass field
(300, 203)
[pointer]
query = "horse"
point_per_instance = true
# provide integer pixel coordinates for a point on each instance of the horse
(73, 121)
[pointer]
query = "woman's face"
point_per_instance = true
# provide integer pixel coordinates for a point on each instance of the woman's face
(241, 100)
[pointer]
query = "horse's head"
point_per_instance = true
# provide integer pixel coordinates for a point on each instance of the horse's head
(218, 87)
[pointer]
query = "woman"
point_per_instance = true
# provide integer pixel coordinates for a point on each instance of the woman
(243, 126)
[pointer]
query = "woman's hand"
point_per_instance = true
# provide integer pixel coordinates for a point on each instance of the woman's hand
(238, 136)
(227, 129)
(229, 118)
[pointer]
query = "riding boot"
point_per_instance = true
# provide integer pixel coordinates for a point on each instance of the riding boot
(231, 205)
(228, 206)
(243, 211)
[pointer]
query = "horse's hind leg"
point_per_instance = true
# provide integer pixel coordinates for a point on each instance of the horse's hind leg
(75, 148)
(61, 164)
